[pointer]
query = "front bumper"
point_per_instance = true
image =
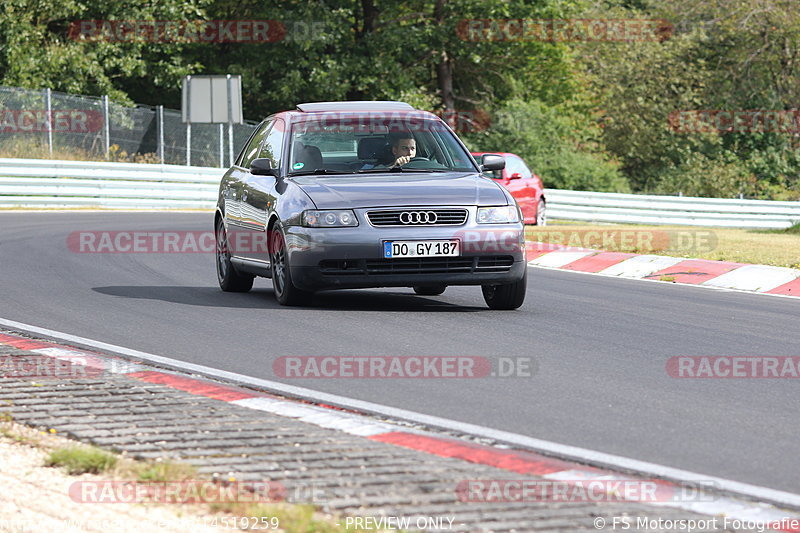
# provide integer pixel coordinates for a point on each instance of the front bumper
(340, 258)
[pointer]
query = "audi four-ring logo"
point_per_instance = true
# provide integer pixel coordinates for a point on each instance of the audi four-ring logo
(418, 217)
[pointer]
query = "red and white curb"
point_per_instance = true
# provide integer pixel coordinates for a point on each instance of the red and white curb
(354, 423)
(700, 272)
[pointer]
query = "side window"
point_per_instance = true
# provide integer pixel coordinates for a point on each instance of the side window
(273, 146)
(251, 150)
(494, 174)
(517, 166)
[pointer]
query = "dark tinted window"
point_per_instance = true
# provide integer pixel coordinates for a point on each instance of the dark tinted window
(250, 151)
(273, 146)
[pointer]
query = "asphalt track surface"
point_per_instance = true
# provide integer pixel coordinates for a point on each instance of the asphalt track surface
(600, 344)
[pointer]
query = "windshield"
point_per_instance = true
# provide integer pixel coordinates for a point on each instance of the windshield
(333, 143)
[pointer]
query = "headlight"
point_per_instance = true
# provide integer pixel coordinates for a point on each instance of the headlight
(329, 219)
(506, 214)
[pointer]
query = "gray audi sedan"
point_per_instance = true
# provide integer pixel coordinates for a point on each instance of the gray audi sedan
(344, 195)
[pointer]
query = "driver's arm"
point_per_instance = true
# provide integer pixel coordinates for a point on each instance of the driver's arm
(402, 160)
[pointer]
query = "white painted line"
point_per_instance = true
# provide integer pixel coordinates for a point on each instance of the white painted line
(574, 453)
(641, 266)
(327, 418)
(759, 278)
(571, 475)
(558, 259)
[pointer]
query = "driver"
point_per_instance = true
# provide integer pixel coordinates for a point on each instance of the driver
(404, 148)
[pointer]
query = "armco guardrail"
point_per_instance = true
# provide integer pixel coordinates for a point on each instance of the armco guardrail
(46, 183)
(679, 210)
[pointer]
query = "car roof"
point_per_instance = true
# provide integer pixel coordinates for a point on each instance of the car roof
(378, 105)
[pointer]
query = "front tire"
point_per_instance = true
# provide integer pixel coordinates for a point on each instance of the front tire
(541, 213)
(285, 291)
(506, 297)
(229, 279)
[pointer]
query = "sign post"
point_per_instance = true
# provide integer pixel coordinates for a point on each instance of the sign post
(212, 100)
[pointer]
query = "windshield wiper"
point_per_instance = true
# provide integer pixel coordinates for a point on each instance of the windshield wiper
(318, 171)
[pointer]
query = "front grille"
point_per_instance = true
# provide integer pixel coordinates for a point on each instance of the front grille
(418, 217)
(416, 265)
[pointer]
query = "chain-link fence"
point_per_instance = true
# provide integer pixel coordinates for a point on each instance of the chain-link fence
(34, 123)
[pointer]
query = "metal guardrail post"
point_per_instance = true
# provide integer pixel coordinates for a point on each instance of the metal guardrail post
(221, 146)
(188, 144)
(230, 122)
(49, 105)
(160, 127)
(106, 126)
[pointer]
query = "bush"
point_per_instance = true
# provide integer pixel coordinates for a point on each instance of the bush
(699, 175)
(556, 145)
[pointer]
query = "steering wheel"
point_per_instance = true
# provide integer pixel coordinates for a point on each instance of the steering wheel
(418, 158)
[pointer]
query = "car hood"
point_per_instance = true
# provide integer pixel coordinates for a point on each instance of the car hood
(388, 190)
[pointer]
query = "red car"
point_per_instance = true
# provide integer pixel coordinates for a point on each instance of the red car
(525, 186)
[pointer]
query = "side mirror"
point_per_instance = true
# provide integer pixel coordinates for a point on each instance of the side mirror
(493, 162)
(262, 166)
(515, 176)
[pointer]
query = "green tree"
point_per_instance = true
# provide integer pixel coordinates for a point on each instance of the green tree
(38, 50)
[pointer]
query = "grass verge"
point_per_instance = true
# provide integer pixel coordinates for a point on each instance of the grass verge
(760, 247)
(78, 460)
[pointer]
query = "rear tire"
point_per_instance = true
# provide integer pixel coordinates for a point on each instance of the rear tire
(285, 291)
(430, 290)
(506, 297)
(229, 279)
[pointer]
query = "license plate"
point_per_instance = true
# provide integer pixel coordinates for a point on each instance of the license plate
(395, 249)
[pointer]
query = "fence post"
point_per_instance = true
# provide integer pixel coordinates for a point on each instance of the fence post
(106, 126)
(160, 128)
(230, 122)
(221, 146)
(188, 144)
(49, 105)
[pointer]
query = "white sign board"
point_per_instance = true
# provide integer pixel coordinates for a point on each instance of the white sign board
(212, 99)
